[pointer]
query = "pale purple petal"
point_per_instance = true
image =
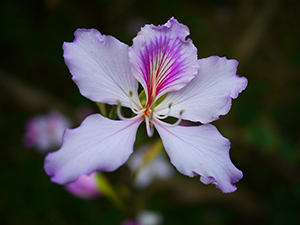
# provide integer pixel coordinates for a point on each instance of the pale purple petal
(209, 94)
(100, 67)
(162, 59)
(98, 144)
(200, 150)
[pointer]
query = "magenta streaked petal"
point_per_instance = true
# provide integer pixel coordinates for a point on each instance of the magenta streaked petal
(210, 93)
(162, 59)
(98, 144)
(100, 67)
(200, 150)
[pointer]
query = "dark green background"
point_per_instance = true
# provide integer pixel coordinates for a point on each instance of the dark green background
(263, 124)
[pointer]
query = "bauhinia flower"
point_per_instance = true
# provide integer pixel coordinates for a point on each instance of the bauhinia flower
(85, 187)
(164, 62)
(145, 217)
(44, 132)
(148, 164)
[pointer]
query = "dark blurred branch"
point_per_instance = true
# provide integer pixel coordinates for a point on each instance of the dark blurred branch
(252, 36)
(282, 169)
(119, 8)
(194, 193)
(29, 97)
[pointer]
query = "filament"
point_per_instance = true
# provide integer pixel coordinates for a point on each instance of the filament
(121, 117)
(166, 115)
(179, 119)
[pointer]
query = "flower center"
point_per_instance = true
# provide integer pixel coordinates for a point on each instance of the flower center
(148, 111)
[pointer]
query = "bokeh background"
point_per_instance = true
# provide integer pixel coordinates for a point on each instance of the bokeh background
(263, 124)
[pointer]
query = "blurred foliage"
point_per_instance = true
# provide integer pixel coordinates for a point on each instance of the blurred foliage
(263, 124)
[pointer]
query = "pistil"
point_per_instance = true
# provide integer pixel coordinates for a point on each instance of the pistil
(149, 127)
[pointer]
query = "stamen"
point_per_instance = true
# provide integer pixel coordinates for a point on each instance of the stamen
(121, 117)
(130, 103)
(166, 115)
(179, 119)
(149, 127)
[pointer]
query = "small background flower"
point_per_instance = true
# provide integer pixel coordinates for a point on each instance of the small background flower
(146, 171)
(149, 218)
(145, 217)
(44, 132)
(84, 187)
